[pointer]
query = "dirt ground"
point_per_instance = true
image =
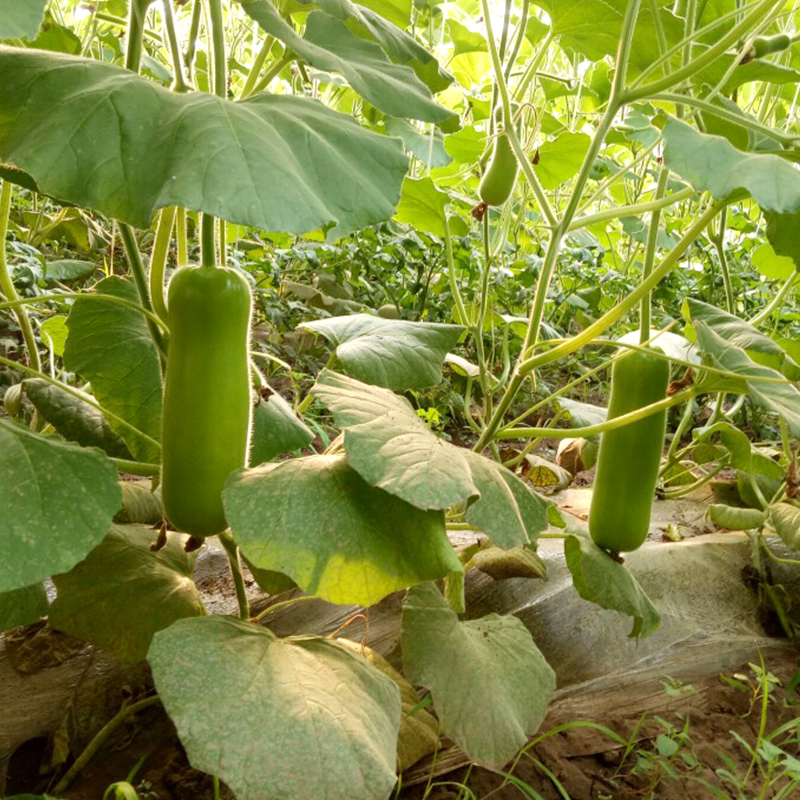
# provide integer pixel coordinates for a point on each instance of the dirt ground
(675, 753)
(588, 765)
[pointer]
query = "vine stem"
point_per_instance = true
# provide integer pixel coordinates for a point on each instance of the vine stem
(483, 305)
(596, 328)
(133, 52)
(139, 468)
(272, 73)
(557, 237)
(235, 561)
(258, 65)
(100, 739)
(650, 256)
(730, 116)
(180, 84)
(718, 241)
(562, 226)
(7, 285)
(451, 272)
(182, 240)
(303, 598)
(516, 146)
(600, 427)
(776, 301)
(710, 55)
(41, 298)
(208, 226)
(194, 32)
(140, 279)
(632, 210)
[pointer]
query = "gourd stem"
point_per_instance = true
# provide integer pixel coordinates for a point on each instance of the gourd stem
(182, 241)
(158, 260)
(208, 241)
(101, 738)
(7, 287)
(235, 561)
(208, 232)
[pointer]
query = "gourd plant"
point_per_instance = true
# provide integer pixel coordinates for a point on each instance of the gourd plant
(167, 374)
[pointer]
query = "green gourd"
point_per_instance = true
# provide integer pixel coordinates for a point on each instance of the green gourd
(207, 401)
(767, 45)
(498, 181)
(630, 456)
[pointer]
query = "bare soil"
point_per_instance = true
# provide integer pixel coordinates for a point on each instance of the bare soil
(585, 762)
(588, 765)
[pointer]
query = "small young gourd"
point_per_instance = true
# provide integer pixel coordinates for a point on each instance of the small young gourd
(498, 181)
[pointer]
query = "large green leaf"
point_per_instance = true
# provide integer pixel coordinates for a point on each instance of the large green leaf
(110, 346)
(600, 579)
(400, 46)
(21, 18)
(784, 519)
(713, 164)
(273, 161)
(742, 334)
(392, 353)
(74, 418)
(782, 234)
(733, 518)
(756, 70)
(419, 730)
(22, 606)
(316, 520)
(423, 206)
(391, 448)
(561, 158)
(329, 45)
(490, 683)
(276, 429)
(326, 721)
(123, 592)
(397, 11)
(593, 28)
(56, 503)
(427, 147)
(744, 455)
(775, 394)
